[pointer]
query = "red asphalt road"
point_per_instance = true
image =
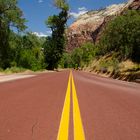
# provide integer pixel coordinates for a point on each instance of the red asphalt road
(30, 109)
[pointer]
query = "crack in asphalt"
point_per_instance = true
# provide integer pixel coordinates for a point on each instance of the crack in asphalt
(33, 127)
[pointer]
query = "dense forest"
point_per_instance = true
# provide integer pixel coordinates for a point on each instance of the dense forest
(20, 49)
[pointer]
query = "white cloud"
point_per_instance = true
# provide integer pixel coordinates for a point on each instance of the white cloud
(40, 34)
(81, 11)
(40, 1)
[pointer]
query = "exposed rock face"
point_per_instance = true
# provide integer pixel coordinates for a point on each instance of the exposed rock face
(135, 5)
(88, 26)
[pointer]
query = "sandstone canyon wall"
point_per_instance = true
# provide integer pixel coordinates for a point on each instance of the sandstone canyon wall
(88, 27)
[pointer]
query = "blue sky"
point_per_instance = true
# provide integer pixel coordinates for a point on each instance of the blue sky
(37, 11)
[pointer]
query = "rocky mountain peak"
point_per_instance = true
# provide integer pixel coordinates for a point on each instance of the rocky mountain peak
(89, 25)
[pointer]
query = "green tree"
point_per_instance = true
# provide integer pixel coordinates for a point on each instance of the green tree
(55, 45)
(82, 56)
(122, 35)
(15, 44)
(89, 51)
(31, 54)
(77, 60)
(10, 16)
(66, 61)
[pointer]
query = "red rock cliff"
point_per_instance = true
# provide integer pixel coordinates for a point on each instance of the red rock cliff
(88, 26)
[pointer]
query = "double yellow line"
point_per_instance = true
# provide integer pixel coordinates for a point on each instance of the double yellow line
(63, 133)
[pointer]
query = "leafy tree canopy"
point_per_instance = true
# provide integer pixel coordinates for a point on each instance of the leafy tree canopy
(10, 16)
(122, 35)
(54, 46)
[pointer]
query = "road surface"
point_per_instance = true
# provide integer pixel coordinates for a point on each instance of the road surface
(69, 106)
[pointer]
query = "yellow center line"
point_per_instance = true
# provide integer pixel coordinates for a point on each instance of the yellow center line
(64, 123)
(78, 127)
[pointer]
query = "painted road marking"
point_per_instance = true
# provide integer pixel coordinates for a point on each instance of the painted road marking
(65, 118)
(78, 127)
(64, 123)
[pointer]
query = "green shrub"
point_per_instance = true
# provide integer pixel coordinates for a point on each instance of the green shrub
(88, 50)
(79, 57)
(31, 59)
(76, 57)
(66, 61)
(14, 70)
(122, 35)
(112, 64)
(1, 70)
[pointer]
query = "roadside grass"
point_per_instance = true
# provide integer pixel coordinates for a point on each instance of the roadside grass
(13, 70)
(110, 66)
